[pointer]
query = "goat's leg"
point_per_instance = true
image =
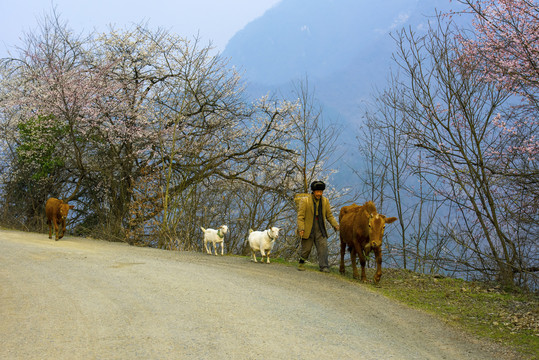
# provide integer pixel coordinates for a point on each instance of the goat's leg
(254, 255)
(215, 248)
(267, 257)
(206, 247)
(222, 247)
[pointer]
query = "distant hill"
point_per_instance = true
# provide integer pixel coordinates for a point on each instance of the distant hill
(344, 47)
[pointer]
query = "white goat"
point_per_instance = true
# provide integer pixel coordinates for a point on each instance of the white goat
(215, 237)
(263, 241)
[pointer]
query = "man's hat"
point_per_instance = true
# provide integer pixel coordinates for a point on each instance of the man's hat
(318, 185)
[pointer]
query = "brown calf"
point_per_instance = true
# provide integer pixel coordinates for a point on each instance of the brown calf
(56, 211)
(362, 230)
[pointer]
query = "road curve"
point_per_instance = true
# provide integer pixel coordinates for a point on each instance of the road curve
(85, 299)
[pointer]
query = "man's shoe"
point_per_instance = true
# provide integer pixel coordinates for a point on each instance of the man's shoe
(301, 267)
(325, 270)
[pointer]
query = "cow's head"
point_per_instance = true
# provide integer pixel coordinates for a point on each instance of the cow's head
(377, 224)
(62, 213)
(64, 210)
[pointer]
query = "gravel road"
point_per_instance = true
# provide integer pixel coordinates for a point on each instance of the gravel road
(85, 299)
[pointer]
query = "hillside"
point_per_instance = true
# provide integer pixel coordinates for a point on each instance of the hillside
(344, 47)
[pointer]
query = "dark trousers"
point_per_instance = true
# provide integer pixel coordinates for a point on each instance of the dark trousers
(321, 243)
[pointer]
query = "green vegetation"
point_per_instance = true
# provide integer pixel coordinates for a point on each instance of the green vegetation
(510, 317)
(38, 138)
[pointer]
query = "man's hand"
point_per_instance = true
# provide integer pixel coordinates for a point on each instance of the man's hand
(301, 233)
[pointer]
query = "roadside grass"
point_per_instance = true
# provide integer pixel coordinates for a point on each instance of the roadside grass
(487, 311)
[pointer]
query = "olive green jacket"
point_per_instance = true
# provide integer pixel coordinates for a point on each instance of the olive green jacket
(306, 215)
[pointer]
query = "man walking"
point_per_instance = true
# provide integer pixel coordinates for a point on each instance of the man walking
(313, 212)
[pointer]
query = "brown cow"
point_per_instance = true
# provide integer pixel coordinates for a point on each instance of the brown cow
(57, 211)
(362, 230)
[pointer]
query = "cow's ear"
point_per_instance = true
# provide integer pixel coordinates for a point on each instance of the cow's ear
(390, 220)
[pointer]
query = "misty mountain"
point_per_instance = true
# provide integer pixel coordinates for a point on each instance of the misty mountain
(343, 47)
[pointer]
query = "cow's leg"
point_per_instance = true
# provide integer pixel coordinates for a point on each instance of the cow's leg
(362, 261)
(378, 275)
(62, 229)
(343, 252)
(55, 229)
(50, 229)
(353, 253)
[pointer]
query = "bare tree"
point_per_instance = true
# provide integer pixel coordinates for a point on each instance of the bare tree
(395, 178)
(450, 115)
(314, 137)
